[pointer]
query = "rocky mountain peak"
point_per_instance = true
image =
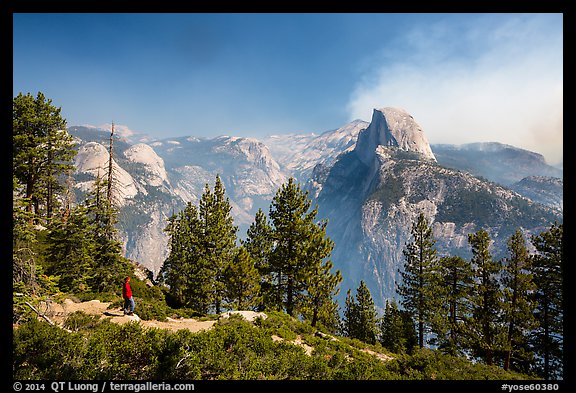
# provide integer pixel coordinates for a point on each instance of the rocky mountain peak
(93, 159)
(144, 154)
(396, 128)
(249, 149)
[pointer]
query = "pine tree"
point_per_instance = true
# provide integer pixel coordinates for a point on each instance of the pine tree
(42, 150)
(218, 242)
(366, 314)
(320, 304)
(351, 320)
(486, 333)
(409, 333)
(518, 307)
(456, 279)
(24, 264)
(301, 247)
(397, 331)
(391, 328)
(546, 269)
(59, 153)
(110, 266)
(290, 221)
(184, 270)
(321, 287)
(82, 248)
(71, 250)
(360, 317)
(168, 272)
(418, 278)
(258, 243)
(242, 281)
(202, 246)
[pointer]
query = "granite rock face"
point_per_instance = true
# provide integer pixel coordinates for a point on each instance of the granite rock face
(153, 180)
(155, 170)
(392, 127)
(373, 195)
(92, 162)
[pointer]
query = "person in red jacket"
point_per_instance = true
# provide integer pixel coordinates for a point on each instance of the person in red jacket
(128, 299)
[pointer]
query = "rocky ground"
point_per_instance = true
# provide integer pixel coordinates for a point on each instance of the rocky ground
(59, 312)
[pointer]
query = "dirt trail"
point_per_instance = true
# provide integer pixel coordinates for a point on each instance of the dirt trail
(59, 312)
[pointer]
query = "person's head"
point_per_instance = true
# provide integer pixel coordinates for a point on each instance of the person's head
(127, 279)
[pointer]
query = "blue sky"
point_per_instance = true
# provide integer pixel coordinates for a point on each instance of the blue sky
(464, 77)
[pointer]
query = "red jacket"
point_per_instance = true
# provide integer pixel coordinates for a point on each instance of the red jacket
(126, 291)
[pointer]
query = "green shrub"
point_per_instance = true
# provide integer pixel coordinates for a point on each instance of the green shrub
(233, 349)
(151, 310)
(126, 351)
(280, 323)
(43, 351)
(429, 364)
(79, 320)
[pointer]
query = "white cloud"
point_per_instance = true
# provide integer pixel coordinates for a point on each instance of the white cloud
(119, 129)
(494, 81)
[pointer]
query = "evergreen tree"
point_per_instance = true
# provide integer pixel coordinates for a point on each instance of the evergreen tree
(202, 246)
(183, 271)
(258, 243)
(485, 300)
(391, 328)
(24, 266)
(42, 150)
(456, 279)
(103, 210)
(418, 278)
(167, 274)
(397, 331)
(59, 155)
(218, 238)
(320, 304)
(518, 307)
(110, 266)
(83, 250)
(409, 331)
(546, 268)
(351, 320)
(71, 250)
(321, 287)
(367, 316)
(242, 282)
(360, 318)
(29, 281)
(300, 247)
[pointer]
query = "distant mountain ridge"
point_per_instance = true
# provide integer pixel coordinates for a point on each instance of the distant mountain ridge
(501, 163)
(155, 180)
(311, 150)
(382, 171)
(548, 191)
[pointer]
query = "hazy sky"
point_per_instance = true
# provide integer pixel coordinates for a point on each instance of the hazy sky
(463, 77)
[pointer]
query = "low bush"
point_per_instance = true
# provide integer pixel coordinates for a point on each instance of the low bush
(233, 349)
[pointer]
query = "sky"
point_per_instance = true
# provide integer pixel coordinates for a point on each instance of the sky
(463, 77)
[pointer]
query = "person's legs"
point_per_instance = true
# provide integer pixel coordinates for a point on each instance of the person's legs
(126, 306)
(132, 305)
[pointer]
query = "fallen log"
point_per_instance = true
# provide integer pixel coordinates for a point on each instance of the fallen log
(40, 314)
